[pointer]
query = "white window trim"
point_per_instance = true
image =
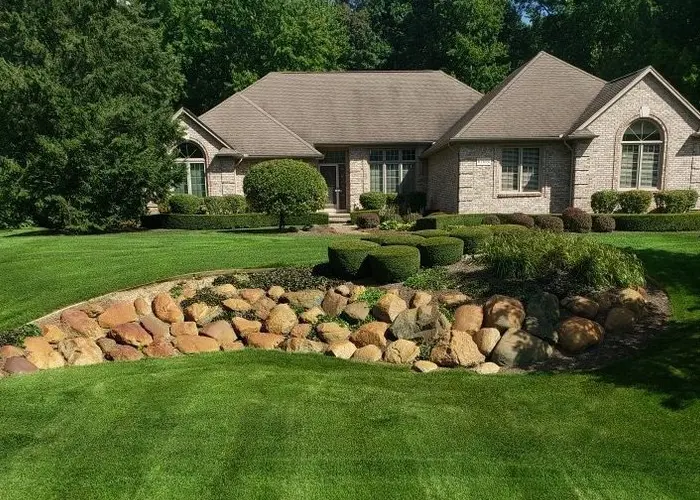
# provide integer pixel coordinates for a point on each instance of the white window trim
(383, 162)
(520, 190)
(641, 145)
(186, 162)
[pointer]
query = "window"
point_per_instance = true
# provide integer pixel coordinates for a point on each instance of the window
(392, 170)
(641, 156)
(520, 170)
(192, 157)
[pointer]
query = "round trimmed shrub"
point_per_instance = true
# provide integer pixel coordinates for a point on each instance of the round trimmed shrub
(576, 220)
(348, 259)
(474, 238)
(491, 220)
(367, 221)
(605, 202)
(550, 223)
(392, 264)
(603, 224)
(373, 200)
(395, 239)
(392, 200)
(635, 202)
(441, 251)
(520, 219)
(431, 233)
(187, 204)
(676, 201)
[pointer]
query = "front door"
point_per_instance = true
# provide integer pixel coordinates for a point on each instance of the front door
(330, 174)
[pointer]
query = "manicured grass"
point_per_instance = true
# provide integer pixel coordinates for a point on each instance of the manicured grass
(273, 425)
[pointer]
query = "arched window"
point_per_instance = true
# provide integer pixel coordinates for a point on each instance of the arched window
(641, 155)
(192, 157)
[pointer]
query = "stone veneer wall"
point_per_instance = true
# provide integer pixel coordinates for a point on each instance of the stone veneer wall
(598, 161)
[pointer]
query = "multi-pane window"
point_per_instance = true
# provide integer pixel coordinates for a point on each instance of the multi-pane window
(520, 170)
(192, 158)
(392, 170)
(641, 156)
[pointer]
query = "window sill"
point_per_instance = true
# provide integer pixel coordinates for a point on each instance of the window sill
(520, 195)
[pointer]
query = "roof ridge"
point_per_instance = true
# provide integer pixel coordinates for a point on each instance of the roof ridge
(635, 73)
(207, 128)
(355, 71)
(460, 82)
(591, 75)
(286, 129)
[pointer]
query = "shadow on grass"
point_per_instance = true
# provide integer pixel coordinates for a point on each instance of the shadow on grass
(670, 365)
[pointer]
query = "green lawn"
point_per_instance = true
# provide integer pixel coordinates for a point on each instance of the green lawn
(272, 425)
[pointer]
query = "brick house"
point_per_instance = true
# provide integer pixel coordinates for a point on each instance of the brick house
(548, 137)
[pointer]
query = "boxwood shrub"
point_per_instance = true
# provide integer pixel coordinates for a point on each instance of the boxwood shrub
(576, 220)
(605, 202)
(348, 259)
(440, 251)
(676, 201)
(367, 221)
(491, 220)
(549, 223)
(442, 221)
(603, 224)
(393, 264)
(225, 205)
(634, 202)
(237, 221)
(658, 222)
(373, 200)
(389, 238)
(518, 219)
(185, 204)
(431, 233)
(356, 213)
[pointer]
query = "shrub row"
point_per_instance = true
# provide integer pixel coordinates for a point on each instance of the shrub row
(348, 259)
(674, 201)
(405, 202)
(188, 204)
(476, 237)
(237, 221)
(386, 264)
(395, 239)
(443, 221)
(657, 222)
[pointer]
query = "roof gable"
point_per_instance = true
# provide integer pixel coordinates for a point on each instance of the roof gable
(188, 115)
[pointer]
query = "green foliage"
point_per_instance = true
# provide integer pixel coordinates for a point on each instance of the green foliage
(176, 291)
(185, 204)
(412, 217)
(415, 201)
(436, 278)
(676, 201)
(14, 199)
(396, 224)
(476, 237)
(207, 295)
(372, 200)
(518, 219)
(285, 188)
(238, 221)
(603, 224)
(440, 251)
(431, 233)
(539, 255)
(16, 336)
(356, 213)
(443, 221)
(348, 259)
(367, 221)
(635, 201)
(605, 202)
(549, 223)
(225, 205)
(658, 222)
(386, 239)
(292, 279)
(577, 220)
(371, 296)
(491, 220)
(394, 264)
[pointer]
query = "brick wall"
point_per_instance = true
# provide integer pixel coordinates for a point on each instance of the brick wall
(443, 181)
(598, 161)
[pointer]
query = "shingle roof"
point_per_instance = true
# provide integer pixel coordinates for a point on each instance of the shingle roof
(362, 107)
(253, 132)
(542, 99)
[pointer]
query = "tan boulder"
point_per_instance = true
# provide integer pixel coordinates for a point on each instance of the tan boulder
(581, 306)
(124, 353)
(230, 346)
(188, 292)
(578, 334)
(401, 352)
(281, 320)
(468, 318)
(619, 320)
(301, 331)
(333, 303)
(343, 349)
(519, 348)
(369, 354)
(306, 299)
(631, 299)
(312, 315)
(80, 351)
(487, 368)
(82, 324)
(106, 344)
(421, 298)
(487, 339)
(388, 307)
(356, 292)
(332, 332)
(456, 349)
(343, 290)
(262, 307)
(160, 349)
(504, 313)
(424, 366)
(131, 334)
(264, 340)
(10, 351)
(275, 292)
(159, 330)
(92, 309)
(166, 309)
(221, 331)
(296, 344)
(184, 328)
(452, 299)
(357, 311)
(237, 305)
(117, 314)
(197, 312)
(251, 295)
(40, 353)
(193, 344)
(17, 365)
(53, 333)
(373, 333)
(142, 306)
(245, 327)
(227, 290)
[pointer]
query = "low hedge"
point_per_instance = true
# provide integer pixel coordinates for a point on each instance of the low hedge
(388, 239)
(185, 204)
(518, 219)
(443, 221)
(237, 221)
(676, 201)
(431, 233)
(475, 238)
(657, 222)
(225, 205)
(393, 264)
(348, 259)
(356, 213)
(440, 251)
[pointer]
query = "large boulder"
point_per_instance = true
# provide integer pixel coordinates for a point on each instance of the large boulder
(82, 324)
(332, 332)
(10, 351)
(373, 333)
(17, 365)
(226, 290)
(245, 327)
(518, 348)
(264, 340)
(159, 330)
(166, 309)
(406, 326)
(369, 354)
(578, 334)
(131, 334)
(237, 305)
(221, 331)
(106, 344)
(118, 314)
(124, 353)
(262, 307)
(197, 312)
(160, 349)
(388, 307)
(581, 306)
(193, 344)
(356, 312)
(619, 320)
(468, 318)
(456, 348)
(296, 344)
(504, 313)
(252, 295)
(452, 299)
(421, 298)
(311, 316)
(40, 353)
(401, 352)
(80, 351)
(487, 339)
(343, 349)
(53, 333)
(281, 320)
(487, 368)
(142, 306)
(424, 366)
(275, 292)
(184, 328)
(305, 299)
(631, 299)
(301, 331)
(543, 316)
(333, 303)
